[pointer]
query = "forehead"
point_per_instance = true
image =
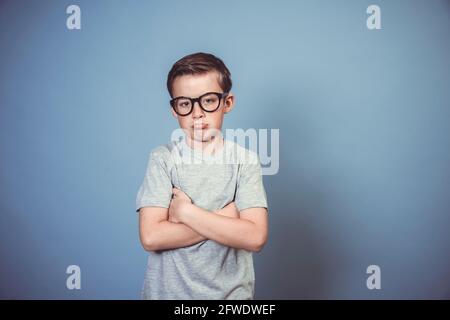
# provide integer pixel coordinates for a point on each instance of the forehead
(196, 85)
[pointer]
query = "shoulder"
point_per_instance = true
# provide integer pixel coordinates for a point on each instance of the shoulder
(161, 154)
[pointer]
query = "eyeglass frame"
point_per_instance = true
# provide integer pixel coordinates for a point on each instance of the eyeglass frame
(220, 95)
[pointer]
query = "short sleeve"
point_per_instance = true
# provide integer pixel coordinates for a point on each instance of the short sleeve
(250, 191)
(156, 189)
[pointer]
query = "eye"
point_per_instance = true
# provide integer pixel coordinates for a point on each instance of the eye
(183, 104)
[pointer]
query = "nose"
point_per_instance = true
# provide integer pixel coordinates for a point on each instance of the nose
(197, 112)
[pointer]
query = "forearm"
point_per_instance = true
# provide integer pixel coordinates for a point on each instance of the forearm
(233, 232)
(171, 235)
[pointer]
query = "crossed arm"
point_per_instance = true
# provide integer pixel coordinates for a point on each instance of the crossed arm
(184, 224)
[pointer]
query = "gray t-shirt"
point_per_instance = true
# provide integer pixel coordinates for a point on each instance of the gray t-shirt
(208, 269)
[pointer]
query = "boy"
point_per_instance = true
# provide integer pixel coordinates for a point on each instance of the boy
(200, 221)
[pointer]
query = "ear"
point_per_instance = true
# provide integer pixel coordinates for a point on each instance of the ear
(174, 113)
(229, 103)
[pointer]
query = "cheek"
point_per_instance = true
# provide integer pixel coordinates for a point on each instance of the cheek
(183, 121)
(216, 119)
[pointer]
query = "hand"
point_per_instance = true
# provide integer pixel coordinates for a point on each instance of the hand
(179, 205)
(229, 210)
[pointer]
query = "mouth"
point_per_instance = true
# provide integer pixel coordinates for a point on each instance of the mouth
(199, 126)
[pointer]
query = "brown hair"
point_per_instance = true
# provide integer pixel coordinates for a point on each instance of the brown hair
(199, 63)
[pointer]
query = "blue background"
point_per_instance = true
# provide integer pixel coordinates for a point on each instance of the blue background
(364, 139)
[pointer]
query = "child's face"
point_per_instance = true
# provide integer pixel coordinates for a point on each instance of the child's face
(200, 125)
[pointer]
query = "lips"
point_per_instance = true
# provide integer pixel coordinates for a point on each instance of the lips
(199, 126)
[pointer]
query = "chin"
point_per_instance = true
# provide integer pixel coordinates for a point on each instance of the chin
(202, 136)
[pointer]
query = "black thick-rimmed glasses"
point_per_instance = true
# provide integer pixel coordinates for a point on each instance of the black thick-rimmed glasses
(209, 102)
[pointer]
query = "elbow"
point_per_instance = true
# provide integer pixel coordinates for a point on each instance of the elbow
(150, 237)
(259, 242)
(148, 243)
